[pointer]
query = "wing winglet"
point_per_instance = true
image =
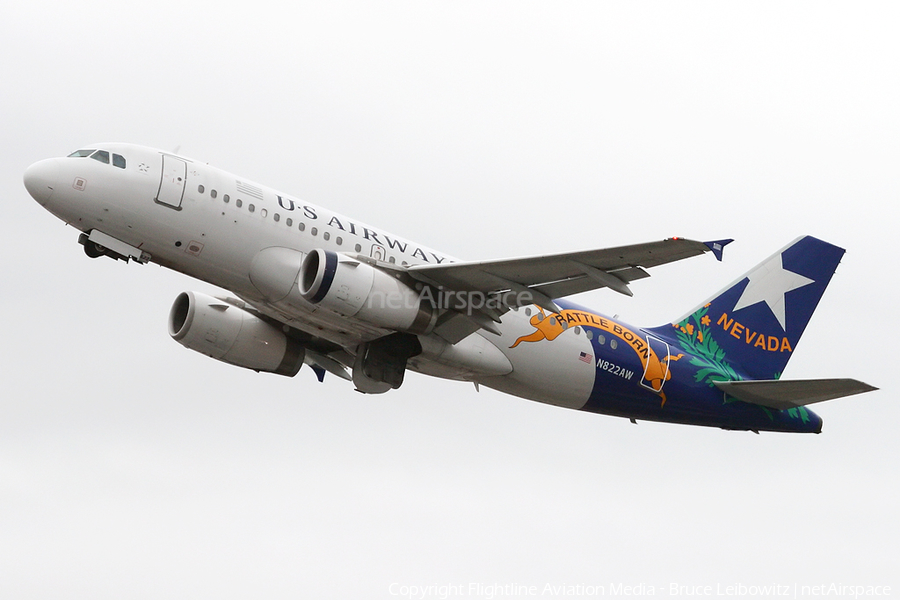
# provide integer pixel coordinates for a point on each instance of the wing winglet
(717, 246)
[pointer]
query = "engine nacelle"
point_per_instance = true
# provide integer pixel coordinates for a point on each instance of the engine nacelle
(359, 290)
(225, 332)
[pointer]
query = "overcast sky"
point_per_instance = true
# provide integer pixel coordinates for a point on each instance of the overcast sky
(131, 467)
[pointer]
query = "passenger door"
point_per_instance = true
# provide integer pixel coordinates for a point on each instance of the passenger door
(172, 182)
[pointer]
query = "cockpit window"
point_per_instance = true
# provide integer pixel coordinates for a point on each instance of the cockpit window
(101, 155)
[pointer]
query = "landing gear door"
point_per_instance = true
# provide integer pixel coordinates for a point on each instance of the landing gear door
(171, 185)
(656, 370)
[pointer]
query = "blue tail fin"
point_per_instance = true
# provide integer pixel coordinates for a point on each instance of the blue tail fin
(755, 323)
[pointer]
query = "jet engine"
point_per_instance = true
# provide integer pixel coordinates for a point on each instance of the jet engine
(233, 335)
(355, 289)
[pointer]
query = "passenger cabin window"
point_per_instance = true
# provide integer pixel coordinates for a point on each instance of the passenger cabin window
(102, 156)
(119, 161)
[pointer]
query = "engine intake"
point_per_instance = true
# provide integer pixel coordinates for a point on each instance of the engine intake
(355, 289)
(225, 332)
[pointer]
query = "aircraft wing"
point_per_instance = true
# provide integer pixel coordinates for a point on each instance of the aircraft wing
(782, 395)
(540, 279)
(559, 275)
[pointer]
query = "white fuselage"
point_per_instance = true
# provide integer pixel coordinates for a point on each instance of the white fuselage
(212, 225)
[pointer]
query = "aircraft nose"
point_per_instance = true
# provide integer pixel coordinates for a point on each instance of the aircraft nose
(41, 179)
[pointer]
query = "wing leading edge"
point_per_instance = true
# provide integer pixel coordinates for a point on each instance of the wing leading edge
(559, 275)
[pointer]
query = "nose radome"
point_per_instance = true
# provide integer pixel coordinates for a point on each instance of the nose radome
(41, 179)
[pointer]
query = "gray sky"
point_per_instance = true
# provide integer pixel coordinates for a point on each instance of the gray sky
(131, 467)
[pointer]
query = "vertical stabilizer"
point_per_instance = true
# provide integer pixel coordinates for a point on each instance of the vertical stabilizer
(754, 324)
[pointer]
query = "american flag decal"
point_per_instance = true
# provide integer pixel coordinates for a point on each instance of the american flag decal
(586, 358)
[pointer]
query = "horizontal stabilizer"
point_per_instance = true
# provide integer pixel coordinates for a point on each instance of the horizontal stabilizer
(782, 395)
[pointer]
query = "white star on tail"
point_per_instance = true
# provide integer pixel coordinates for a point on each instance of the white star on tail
(769, 283)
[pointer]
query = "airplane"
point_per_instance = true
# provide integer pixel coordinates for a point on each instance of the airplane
(308, 286)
